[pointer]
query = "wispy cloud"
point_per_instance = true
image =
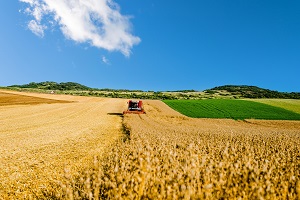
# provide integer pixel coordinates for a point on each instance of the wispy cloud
(97, 22)
(105, 60)
(37, 28)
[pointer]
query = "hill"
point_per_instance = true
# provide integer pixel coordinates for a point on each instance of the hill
(254, 92)
(220, 92)
(49, 85)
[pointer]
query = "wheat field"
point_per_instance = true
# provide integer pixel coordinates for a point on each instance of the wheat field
(84, 149)
(54, 134)
(169, 156)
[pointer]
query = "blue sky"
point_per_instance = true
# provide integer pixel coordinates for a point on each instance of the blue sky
(152, 44)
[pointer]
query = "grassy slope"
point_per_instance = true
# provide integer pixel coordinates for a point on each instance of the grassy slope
(234, 109)
(288, 104)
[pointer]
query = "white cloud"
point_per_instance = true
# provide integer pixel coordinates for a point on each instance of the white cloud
(105, 60)
(97, 22)
(27, 1)
(36, 28)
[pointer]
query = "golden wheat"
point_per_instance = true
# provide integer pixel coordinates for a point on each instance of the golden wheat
(170, 156)
(39, 143)
(75, 151)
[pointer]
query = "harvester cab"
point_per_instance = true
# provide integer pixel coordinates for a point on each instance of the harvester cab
(135, 107)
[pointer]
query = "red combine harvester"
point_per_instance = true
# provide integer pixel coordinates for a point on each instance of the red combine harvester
(135, 107)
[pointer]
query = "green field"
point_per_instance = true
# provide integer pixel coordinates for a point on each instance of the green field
(288, 104)
(231, 109)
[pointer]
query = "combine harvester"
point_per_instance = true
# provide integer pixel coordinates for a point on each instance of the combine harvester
(135, 107)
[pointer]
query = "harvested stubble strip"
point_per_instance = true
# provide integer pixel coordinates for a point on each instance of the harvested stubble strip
(38, 142)
(172, 157)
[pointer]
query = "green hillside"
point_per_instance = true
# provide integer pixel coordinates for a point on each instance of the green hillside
(49, 85)
(220, 92)
(256, 92)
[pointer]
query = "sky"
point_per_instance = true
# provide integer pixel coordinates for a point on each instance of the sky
(157, 45)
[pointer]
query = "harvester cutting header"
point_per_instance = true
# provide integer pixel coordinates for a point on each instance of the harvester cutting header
(135, 107)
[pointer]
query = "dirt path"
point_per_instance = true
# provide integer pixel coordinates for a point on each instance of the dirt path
(39, 142)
